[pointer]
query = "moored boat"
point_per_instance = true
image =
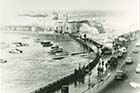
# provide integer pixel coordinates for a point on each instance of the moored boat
(46, 44)
(58, 58)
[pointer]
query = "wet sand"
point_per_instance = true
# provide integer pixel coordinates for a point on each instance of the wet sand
(34, 68)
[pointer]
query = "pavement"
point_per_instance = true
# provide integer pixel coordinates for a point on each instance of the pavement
(83, 87)
(93, 79)
(109, 85)
(124, 86)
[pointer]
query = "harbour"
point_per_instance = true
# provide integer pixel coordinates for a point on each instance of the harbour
(67, 51)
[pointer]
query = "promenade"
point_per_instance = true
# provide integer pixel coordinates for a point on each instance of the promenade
(110, 77)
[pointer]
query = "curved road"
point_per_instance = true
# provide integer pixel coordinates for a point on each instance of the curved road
(123, 86)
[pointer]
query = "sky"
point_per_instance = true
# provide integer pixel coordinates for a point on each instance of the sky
(12, 7)
(15, 5)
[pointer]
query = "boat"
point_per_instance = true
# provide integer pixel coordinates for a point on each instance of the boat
(46, 44)
(58, 58)
(15, 51)
(56, 49)
(62, 53)
(60, 50)
(20, 44)
(3, 61)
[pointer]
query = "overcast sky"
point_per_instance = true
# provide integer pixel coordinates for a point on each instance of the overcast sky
(24, 5)
(11, 7)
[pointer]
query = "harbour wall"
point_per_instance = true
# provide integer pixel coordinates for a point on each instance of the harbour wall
(41, 35)
(73, 77)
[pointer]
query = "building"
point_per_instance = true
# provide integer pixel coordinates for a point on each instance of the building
(62, 27)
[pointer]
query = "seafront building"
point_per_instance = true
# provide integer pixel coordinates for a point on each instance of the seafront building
(63, 25)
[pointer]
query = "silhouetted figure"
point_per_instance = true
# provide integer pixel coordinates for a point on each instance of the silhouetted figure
(102, 63)
(75, 83)
(85, 36)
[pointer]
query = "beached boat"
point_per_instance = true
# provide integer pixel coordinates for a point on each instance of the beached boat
(3, 61)
(58, 57)
(46, 44)
(61, 53)
(15, 51)
(20, 44)
(54, 51)
(55, 47)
